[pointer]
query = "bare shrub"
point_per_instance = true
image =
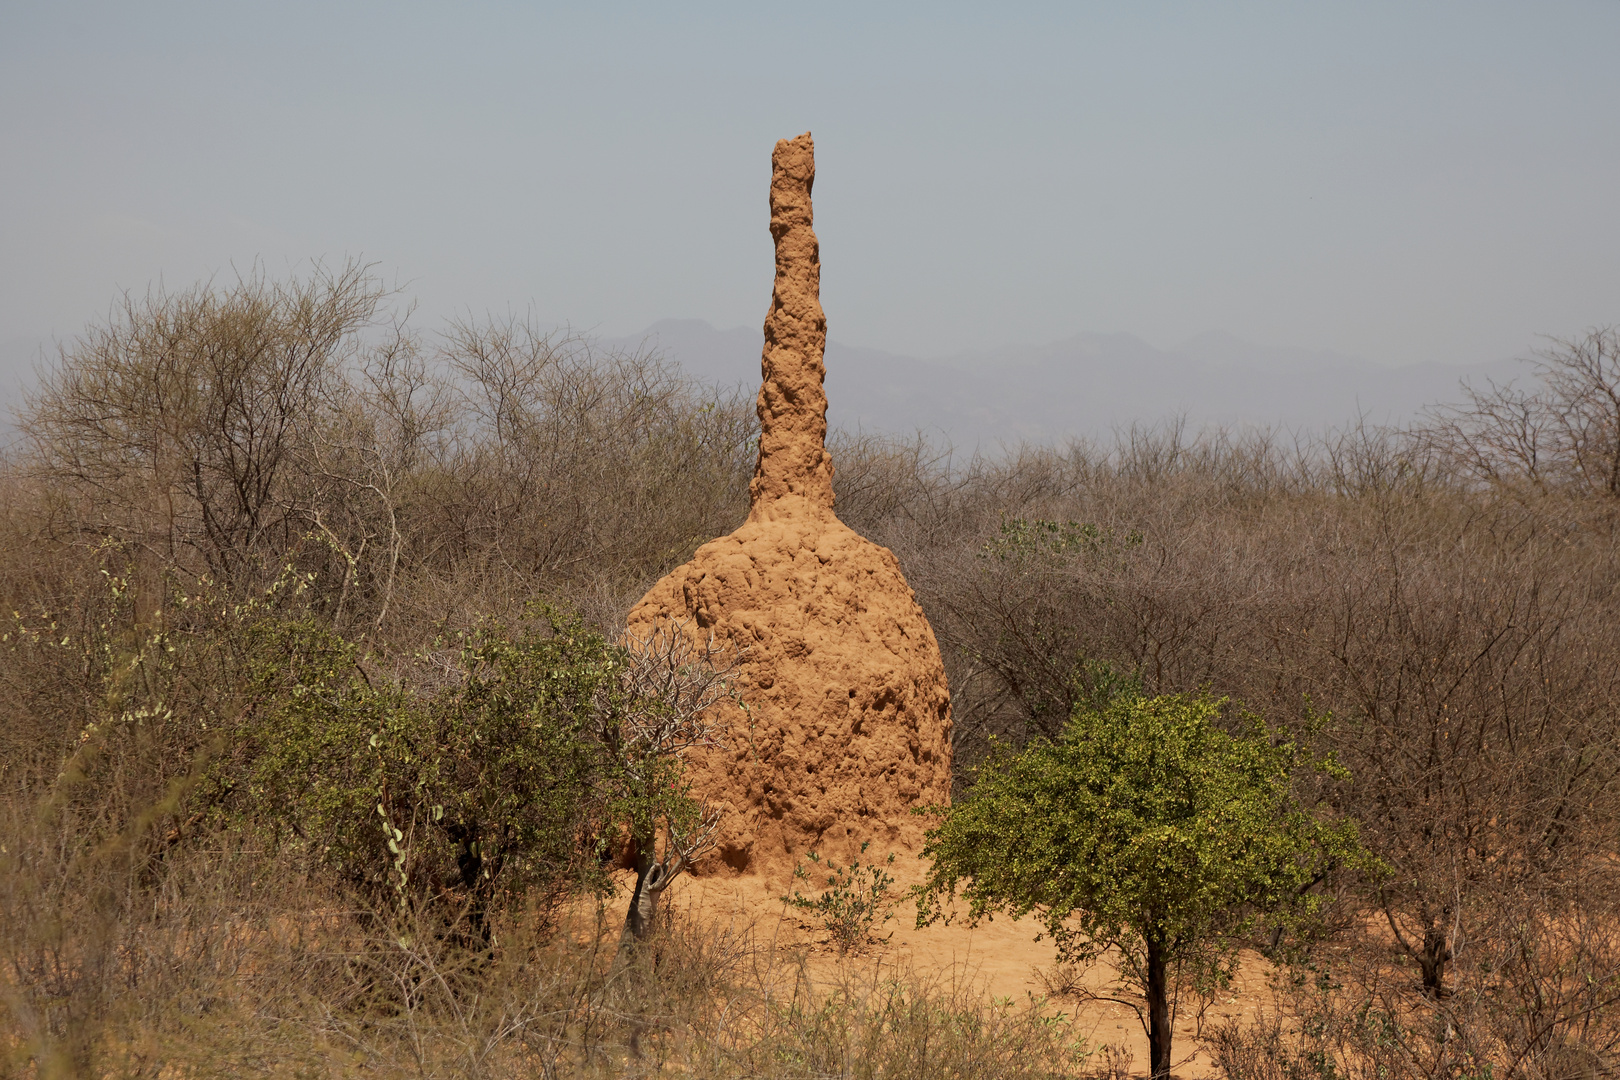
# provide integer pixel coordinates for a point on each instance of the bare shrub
(1537, 1002)
(175, 424)
(225, 432)
(1116, 1062)
(579, 463)
(1561, 432)
(1468, 661)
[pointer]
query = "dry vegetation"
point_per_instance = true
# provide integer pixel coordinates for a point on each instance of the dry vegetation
(1437, 607)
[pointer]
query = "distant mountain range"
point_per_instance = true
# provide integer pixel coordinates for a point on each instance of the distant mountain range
(1088, 385)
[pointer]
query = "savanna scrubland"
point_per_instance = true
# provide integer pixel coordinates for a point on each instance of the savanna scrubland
(319, 747)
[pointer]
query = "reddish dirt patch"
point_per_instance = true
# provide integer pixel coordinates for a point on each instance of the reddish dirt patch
(998, 960)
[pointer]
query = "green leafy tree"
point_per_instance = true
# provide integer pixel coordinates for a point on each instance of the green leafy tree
(515, 766)
(1144, 830)
(484, 788)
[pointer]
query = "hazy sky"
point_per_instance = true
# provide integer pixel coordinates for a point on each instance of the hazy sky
(1405, 181)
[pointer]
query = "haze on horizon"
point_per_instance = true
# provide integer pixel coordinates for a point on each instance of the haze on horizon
(1404, 182)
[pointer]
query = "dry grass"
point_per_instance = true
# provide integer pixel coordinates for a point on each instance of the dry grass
(218, 961)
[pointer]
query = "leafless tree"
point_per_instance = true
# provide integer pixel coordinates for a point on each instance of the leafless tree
(383, 431)
(1563, 431)
(680, 682)
(177, 422)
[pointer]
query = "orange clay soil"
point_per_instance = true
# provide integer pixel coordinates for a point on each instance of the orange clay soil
(998, 960)
(847, 722)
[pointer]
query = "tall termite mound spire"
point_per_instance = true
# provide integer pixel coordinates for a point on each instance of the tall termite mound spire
(846, 725)
(792, 404)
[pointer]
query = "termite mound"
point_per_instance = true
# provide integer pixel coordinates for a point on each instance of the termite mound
(847, 725)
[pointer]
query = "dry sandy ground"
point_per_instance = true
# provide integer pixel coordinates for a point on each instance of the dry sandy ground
(999, 959)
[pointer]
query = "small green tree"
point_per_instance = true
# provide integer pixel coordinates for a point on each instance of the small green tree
(1145, 830)
(857, 898)
(512, 768)
(489, 786)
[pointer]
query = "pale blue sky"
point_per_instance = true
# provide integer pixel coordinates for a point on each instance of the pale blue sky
(1405, 181)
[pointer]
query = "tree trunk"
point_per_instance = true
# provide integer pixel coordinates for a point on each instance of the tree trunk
(638, 921)
(1158, 998)
(1432, 961)
(652, 875)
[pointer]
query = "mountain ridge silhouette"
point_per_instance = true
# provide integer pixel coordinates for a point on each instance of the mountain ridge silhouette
(1084, 386)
